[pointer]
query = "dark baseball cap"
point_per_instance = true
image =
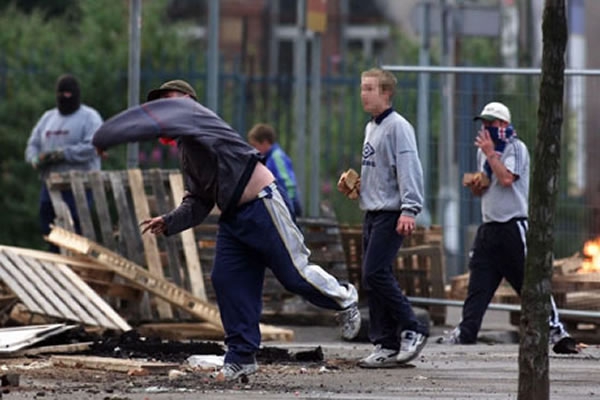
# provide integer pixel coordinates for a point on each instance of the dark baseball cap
(177, 85)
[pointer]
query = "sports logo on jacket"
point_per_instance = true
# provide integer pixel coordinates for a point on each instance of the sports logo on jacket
(368, 152)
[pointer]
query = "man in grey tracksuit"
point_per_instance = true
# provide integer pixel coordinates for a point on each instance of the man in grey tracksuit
(391, 193)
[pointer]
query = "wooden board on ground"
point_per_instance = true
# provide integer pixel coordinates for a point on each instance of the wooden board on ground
(181, 331)
(57, 349)
(155, 285)
(111, 364)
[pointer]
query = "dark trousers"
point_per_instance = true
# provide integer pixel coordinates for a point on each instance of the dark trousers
(262, 234)
(390, 312)
(47, 214)
(498, 252)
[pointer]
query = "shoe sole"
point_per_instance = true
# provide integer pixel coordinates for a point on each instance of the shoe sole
(243, 377)
(416, 353)
(386, 366)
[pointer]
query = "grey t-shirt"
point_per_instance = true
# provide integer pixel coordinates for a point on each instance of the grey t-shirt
(499, 203)
(391, 173)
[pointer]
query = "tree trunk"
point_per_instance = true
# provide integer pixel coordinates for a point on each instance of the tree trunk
(534, 383)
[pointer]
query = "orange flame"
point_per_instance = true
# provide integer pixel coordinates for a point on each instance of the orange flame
(591, 251)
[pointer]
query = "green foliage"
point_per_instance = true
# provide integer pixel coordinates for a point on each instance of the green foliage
(88, 39)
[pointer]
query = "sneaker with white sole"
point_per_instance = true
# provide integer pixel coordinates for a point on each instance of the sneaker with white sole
(451, 338)
(380, 358)
(350, 320)
(411, 344)
(233, 371)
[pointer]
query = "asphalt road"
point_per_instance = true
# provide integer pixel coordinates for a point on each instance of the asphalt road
(482, 371)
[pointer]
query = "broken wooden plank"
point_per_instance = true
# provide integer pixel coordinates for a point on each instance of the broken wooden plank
(73, 261)
(16, 285)
(110, 363)
(92, 301)
(55, 349)
(190, 248)
(42, 280)
(142, 212)
(164, 207)
(181, 331)
(63, 214)
(101, 206)
(129, 232)
(82, 205)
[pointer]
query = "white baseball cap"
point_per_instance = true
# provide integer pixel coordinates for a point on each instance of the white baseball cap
(494, 110)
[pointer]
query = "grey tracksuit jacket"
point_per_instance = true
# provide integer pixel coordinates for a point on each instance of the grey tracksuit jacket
(216, 162)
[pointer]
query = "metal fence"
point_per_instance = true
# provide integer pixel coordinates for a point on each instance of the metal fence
(469, 89)
(445, 135)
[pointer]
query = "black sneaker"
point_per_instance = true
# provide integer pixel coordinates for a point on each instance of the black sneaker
(566, 345)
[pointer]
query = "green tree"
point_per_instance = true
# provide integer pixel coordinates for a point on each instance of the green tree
(89, 40)
(533, 351)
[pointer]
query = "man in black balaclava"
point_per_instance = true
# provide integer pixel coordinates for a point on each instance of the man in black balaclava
(68, 96)
(61, 141)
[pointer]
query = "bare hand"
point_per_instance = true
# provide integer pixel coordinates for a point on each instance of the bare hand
(155, 225)
(102, 153)
(406, 225)
(484, 141)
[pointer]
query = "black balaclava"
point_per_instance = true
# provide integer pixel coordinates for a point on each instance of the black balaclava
(67, 105)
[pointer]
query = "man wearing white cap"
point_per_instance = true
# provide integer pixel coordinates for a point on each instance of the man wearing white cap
(499, 249)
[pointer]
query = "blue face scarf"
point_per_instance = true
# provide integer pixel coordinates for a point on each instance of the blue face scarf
(500, 136)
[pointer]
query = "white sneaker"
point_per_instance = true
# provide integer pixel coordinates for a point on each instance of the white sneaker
(233, 371)
(350, 322)
(411, 344)
(380, 358)
(451, 338)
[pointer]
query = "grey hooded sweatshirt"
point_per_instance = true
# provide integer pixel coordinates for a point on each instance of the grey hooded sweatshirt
(216, 162)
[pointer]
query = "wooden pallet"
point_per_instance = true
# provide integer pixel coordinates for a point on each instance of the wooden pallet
(52, 289)
(122, 199)
(167, 291)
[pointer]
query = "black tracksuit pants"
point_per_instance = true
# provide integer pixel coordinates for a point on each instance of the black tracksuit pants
(498, 252)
